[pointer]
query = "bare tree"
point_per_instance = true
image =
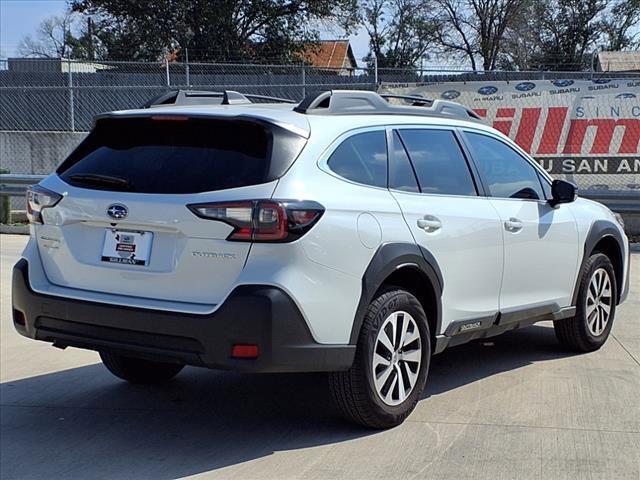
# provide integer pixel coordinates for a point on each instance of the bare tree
(475, 28)
(53, 39)
(621, 28)
(400, 31)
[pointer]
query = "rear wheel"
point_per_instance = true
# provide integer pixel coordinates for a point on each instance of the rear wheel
(595, 309)
(137, 370)
(392, 360)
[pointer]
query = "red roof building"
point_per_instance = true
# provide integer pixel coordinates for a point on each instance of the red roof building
(334, 55)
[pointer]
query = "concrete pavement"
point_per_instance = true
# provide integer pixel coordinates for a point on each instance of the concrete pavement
(514, 407)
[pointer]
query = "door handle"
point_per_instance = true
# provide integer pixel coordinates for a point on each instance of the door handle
(429, 223)
(513, 225)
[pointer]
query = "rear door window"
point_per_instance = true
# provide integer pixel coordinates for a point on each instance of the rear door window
(438, 162)
(183, 155)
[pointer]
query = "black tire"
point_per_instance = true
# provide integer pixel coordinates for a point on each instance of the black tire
(138, 370)
(574, 333)
(354, 391)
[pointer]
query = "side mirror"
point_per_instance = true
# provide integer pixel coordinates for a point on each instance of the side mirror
(562, 192)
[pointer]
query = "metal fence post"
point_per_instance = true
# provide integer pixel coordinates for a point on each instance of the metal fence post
(304, 80)
(375, 71)
(72, 113)
(166, 63)
(186, 54)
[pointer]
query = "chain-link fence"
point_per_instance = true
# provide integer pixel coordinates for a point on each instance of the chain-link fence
(47, 106)
(65, 95)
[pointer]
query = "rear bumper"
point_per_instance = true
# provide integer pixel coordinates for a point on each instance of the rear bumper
(252, 314)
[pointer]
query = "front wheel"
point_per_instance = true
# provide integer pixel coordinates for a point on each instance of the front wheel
(595, 309)
(389, 372)
(138, 370)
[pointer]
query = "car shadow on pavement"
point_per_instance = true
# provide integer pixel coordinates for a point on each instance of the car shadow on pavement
(84, 423)
(480, 359)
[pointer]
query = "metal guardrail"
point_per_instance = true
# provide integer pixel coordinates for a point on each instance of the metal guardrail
(621, 202)
(16, 185)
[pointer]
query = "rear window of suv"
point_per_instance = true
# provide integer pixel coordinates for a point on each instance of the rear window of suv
(179, 155)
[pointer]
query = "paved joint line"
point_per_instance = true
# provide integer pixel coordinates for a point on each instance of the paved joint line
(625, 349)
(543, 427)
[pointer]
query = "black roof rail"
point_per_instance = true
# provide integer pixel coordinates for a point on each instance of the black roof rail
(364, 102)
(416, 100)
(206, 97)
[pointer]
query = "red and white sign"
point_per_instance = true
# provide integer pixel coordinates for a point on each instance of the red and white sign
(586, 130)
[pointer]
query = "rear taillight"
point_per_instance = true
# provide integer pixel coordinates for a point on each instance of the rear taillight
(39, 198)
(263, 220)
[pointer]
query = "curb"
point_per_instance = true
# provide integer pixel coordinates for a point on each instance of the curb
(14, 229)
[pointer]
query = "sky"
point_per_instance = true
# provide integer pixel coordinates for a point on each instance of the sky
(22, 17)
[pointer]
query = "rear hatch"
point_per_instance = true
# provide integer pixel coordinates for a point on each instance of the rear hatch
(123, 226)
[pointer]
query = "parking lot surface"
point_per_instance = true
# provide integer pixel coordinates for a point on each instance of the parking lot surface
(516, 406)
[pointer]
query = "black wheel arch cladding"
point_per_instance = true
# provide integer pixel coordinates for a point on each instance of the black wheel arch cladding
(600, 230)
(389, 258)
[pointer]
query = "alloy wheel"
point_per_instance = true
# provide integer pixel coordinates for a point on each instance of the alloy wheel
(598, 302)
(396, 358)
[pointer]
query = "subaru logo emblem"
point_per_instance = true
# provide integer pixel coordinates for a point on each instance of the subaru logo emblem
(488, 90)
(525, 86)
(117, 211)
(450, 94)
(563, 83)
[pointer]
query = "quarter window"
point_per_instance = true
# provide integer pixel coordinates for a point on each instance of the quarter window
(401, 175)
(362, 158)
(506, 173)
(438, 162)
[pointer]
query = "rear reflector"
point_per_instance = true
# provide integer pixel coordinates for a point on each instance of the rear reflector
(18, 317)
(245, 351)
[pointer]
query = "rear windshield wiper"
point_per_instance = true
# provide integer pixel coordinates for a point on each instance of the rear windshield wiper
(101, 180)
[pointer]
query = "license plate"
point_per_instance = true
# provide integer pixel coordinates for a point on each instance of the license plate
(131, 248)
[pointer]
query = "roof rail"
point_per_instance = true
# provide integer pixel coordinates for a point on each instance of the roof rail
(205, 97)
(359, 102)
(416, 100)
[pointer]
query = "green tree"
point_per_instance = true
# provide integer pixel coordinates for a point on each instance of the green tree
(211, 29)
(400, 31)
(569, 32)
(555, 35)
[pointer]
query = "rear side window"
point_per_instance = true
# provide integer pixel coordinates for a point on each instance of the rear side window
(438, 162)
(506, 173)
(362, 158)
(179, 156)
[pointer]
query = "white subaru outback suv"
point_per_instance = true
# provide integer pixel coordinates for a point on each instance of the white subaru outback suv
(345, 234)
